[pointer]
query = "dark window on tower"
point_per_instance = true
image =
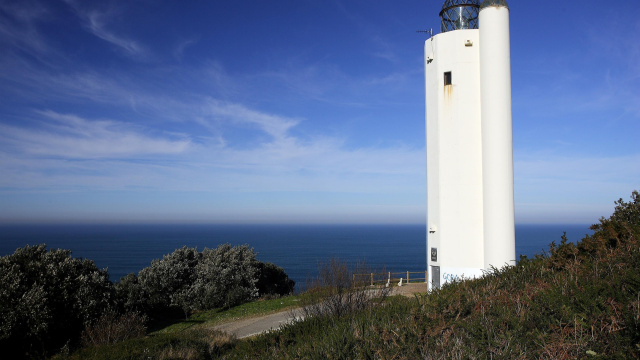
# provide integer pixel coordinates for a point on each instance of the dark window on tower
(447, 78)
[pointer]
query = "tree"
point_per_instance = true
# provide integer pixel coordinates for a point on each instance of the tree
(190, 280)
(46, 298)
(131, 294)
(166, 278)
(272, 280)
(226, 277)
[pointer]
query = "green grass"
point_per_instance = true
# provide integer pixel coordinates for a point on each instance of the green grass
(192, 344)
(218, 316)
(186, 338)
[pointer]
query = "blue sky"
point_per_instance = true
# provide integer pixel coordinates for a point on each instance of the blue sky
(293, 111)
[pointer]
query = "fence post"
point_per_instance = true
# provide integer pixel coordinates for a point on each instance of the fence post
(371, 279)
(407, 277)
(425, 277)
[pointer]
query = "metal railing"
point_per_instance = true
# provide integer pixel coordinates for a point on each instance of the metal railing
(391, 278)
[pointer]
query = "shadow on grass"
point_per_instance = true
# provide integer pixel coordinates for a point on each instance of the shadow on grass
(161, 321)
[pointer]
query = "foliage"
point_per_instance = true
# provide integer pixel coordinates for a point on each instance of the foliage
(131, 294)
(272, 280)
(46, 297)
(167, 281)
(226, 277)
(190, 280)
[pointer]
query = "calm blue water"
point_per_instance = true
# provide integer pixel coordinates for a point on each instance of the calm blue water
(296, 248)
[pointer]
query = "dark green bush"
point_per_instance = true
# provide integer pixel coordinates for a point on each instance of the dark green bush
(272, 280)
(46, 298)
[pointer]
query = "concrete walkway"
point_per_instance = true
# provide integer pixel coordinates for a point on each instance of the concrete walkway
(253, 326)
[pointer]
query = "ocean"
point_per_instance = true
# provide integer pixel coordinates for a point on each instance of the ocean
(298, 249)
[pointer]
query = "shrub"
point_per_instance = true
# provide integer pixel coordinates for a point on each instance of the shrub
(131, 294)
(272, 280)
(46, 297)
(192, 280)
(164, 282)
(226, 277)
(112, 327)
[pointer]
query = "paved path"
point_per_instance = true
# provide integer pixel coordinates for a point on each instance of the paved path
(257, 325)
(409, 289)
(254, 326)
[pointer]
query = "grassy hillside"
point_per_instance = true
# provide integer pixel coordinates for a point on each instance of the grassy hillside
(577, 301)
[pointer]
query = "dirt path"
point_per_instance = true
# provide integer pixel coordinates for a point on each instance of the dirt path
(257, 325)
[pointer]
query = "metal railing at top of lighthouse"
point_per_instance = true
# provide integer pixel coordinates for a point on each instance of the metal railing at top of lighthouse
(459, 14)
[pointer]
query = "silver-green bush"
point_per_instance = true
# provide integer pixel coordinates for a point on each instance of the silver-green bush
(46, 298)
(190, 280)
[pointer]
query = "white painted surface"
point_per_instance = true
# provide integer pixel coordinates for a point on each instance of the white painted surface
(454, 151)
(497, 141)
(470, 212)
(448, 274)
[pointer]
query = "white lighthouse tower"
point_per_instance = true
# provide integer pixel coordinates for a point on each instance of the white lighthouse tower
(470, 218)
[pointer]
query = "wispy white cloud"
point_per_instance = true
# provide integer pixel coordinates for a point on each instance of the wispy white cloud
(327, 83)
(306, 121)
(622, 81)
(179, 49)
(97, 22)
(111, 151)
(603, 77)
(384, 49)
(281, 160)
(72, 137)
(19, 23)
(276, 126)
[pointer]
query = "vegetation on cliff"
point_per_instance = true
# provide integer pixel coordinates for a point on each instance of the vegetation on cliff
(575, 301)
(50, 301)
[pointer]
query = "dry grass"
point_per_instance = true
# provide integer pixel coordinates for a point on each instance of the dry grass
(335, 293)
(113, 327)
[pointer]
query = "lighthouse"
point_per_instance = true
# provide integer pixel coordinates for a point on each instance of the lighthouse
(470, 208)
